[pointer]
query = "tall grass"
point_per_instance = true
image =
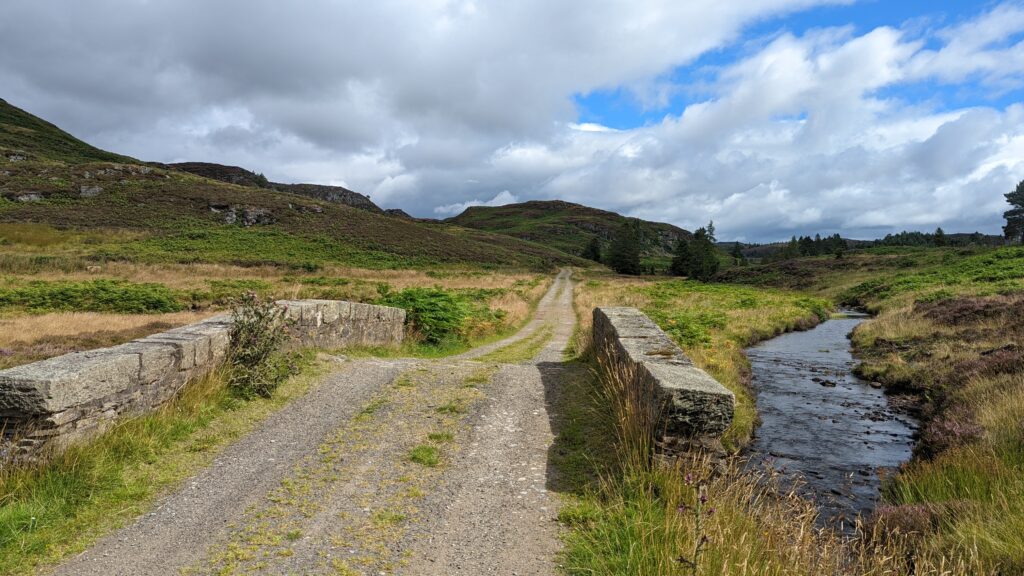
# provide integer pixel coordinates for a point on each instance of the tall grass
(644, 515)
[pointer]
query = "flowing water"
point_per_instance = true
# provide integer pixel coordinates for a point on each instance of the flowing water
(823, 428)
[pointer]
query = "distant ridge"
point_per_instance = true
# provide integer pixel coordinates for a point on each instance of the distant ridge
(567, 226)
(243, 177)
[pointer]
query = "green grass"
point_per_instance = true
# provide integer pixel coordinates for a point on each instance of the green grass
(60, 507)
(521, 350)
(453, 407)
(90, 296)
(714, 322)
(441, 437)
(425, 455)
(24, 132)
(978, 271)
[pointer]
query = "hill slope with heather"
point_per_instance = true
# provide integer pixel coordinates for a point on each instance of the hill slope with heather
(49, 177)
(243, 177)
(566, 226)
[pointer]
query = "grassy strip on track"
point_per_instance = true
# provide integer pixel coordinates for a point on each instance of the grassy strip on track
(521, 350)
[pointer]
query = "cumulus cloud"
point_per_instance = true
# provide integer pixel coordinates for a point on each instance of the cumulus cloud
(501, 199)
(431, 106)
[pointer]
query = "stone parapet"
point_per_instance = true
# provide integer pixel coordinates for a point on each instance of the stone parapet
(687, 401)
(63, 399)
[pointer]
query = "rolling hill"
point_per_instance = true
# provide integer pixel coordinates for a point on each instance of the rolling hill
(51, 178)
(566, 226)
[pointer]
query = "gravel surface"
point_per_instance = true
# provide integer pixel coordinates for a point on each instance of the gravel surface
(494, 514)
(328, 485)
(182, 526)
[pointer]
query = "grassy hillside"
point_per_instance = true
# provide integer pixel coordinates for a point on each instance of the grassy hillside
(23, 134)
(49, 177)
(566, 226)
(243, 177)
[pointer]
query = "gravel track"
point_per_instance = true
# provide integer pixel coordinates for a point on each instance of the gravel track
(494, 514)
(325, 470)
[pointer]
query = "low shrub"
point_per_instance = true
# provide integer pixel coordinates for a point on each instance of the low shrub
(436, 315)
(257, 364)
(91, 296)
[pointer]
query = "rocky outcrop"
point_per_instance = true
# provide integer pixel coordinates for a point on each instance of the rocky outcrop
(335, 194)
(687, 402)
(398, 213)
(63, 399)
(243, 177)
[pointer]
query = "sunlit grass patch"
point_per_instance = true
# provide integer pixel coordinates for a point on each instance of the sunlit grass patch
(521, 350)
(425, 455)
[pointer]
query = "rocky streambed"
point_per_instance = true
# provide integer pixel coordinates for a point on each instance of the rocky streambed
(823, 429)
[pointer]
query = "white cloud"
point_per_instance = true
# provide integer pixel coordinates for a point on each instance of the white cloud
(431, 106)
(501, 199)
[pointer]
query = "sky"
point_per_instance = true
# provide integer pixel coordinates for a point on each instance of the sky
(770, 117)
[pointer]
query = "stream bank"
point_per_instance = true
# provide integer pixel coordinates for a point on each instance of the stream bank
(826, 431)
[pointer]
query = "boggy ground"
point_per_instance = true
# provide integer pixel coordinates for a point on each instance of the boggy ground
(387, 466)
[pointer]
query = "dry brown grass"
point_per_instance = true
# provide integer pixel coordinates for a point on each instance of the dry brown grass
(32, 338)
(28, 329)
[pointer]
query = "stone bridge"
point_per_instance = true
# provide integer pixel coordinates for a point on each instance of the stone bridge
(66, 398)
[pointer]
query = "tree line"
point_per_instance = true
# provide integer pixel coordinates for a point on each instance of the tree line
(698, 257)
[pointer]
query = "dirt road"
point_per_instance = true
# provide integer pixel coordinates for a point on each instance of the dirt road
(386, 467)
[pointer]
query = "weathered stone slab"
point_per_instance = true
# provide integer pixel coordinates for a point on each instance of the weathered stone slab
(56, 384)
(689, 401)
(335, 324)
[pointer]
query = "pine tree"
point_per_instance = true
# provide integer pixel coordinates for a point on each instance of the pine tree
(737, 254)
(624, 252)
(593, 250)
(703, 257)
(939, 238)
(711, 231)
(1014, 229)
(681, 259)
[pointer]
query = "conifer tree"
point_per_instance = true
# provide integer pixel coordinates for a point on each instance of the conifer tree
(737, 254)
(1014, 229)
(593, 250)
(939, 238)
(681, 259)
(624, 252)
(703, 257)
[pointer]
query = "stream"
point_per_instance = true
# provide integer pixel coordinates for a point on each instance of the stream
(824, 429)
